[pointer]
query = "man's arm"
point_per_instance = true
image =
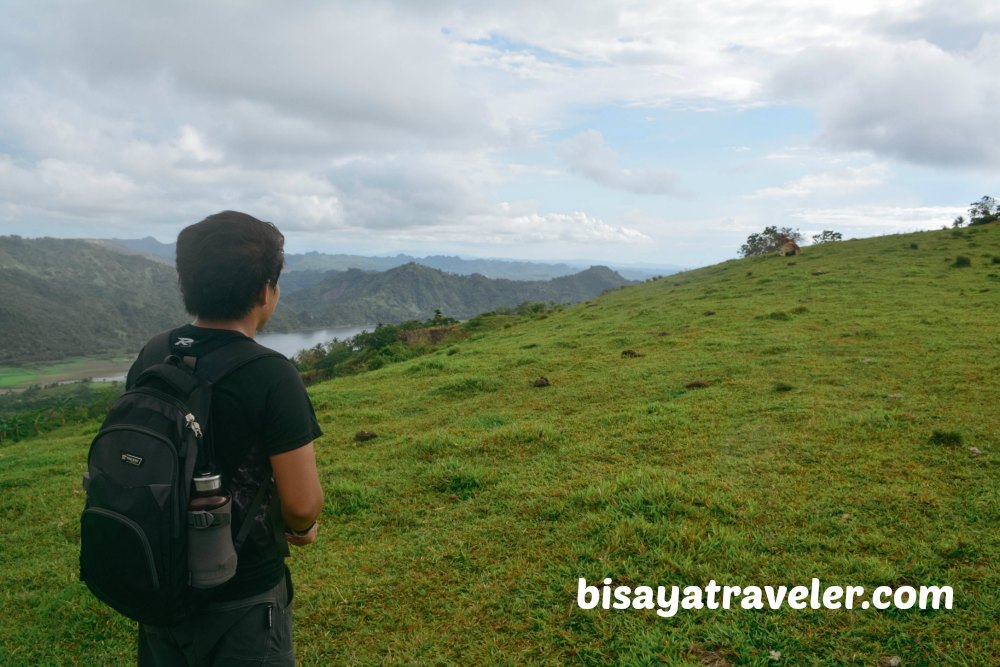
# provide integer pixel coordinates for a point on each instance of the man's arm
(299, 490)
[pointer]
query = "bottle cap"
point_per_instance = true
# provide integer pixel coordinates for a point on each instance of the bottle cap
(207, 483)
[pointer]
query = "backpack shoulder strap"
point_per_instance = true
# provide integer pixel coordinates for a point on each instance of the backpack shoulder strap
(230, 357)
(157, 349)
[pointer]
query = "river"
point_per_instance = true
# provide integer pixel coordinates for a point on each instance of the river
(286, 343)
(290, 343)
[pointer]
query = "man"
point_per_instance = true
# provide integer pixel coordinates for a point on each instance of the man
(262, 423)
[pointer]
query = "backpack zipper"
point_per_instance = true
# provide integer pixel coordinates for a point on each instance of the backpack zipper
(193, 425)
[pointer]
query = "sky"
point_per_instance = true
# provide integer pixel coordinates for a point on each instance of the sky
(658, 132)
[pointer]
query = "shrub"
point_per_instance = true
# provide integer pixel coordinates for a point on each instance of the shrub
(947, 438)
(961, 262)
(828, 236)
(768, 241)
(372, 350)
(984, 211)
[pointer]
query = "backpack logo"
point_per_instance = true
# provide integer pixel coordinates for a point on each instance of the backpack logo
(132, 459)
(184, 342)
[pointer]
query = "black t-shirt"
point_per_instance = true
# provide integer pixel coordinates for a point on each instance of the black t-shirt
(259, 410)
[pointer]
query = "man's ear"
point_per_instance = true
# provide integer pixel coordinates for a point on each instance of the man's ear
(263, 297)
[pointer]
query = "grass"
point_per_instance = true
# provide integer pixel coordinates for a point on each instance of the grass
(830, 441)
(17, 377)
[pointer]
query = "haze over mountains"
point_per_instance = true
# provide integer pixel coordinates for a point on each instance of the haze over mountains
(490, 268)
(68, 298)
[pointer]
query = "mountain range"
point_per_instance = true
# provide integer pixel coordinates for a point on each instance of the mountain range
(322, 262)
(412, 291)
(67, 298)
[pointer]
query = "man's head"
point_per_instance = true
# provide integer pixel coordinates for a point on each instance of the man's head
(225, 262)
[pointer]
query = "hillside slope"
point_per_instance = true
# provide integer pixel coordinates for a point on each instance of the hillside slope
(771, 420)
(65, 298)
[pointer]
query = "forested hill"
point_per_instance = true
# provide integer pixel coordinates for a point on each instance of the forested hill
(62, 298)
(66, 298)
(413, 291)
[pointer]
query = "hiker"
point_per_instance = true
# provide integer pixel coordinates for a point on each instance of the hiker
(262, 423)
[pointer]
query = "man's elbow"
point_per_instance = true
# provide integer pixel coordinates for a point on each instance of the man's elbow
(302, 510)
(299, 491)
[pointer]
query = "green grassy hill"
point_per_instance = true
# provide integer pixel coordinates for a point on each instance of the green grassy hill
(777, 420)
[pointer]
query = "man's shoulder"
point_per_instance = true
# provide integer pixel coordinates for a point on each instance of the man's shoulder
(268, 368)
(270, 361)
(246, 361)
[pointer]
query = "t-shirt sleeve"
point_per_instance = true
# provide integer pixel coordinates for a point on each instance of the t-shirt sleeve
(289, 419)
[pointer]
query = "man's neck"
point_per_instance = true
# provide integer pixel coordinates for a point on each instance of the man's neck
(246, 326)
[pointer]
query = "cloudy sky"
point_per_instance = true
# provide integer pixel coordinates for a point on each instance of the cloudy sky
(656, 132)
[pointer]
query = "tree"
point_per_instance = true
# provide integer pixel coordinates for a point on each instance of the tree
(828, 236)
(984, 211)
(958, 223)
(769, 241)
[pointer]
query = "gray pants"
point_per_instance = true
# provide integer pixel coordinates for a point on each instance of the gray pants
(252, 631)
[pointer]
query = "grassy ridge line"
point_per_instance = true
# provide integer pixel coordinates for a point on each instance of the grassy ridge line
(458, 535)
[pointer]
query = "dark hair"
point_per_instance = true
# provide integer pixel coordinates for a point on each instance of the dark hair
(224, 261)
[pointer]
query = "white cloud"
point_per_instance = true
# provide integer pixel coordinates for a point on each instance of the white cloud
(864, 220)
(412, 120)
(837, 182)
(911, 101)
(333, 63)
(191, 143)
(309, 213)
(587, 154)
(576, 227)
(64, 189)
(519, 223)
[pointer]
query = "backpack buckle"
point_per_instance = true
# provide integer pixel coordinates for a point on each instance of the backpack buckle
(200, 519)
(205, 519)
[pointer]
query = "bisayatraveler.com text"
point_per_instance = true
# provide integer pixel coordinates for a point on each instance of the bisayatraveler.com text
(668, 600)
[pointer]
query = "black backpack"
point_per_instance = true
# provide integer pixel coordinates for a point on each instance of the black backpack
(133, 530)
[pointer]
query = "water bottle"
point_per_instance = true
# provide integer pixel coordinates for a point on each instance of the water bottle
(211, 556)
